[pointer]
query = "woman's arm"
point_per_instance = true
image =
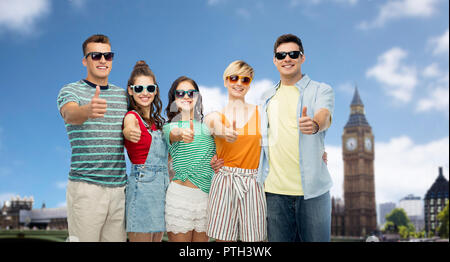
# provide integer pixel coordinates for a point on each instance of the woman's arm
(218, 129)
(182, 134)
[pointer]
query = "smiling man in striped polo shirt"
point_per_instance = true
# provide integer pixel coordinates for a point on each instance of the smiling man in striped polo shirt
(93, 110)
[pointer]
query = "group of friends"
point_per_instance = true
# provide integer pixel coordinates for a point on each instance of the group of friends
(245, 173)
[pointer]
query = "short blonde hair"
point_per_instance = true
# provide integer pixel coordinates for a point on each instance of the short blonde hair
(238, 67)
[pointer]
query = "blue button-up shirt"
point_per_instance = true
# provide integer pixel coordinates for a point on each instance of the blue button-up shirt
(316, 179)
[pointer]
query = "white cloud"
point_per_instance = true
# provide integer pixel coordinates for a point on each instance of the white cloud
(437, 90)
(401, 167)
(392, 10)
(440, 44)
(21, 15)
(257, 88)
(437, 99)
(214, 99)
(6, 197)
(432, 71)
(398, 78)
(346, 88)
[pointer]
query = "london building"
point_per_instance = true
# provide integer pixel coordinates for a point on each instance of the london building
(435, 200)
(357, 215)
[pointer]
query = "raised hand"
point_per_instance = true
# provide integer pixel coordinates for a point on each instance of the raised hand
(231, 134)
(134, 133)
(187, 134)
(97, 106)
(307, 125)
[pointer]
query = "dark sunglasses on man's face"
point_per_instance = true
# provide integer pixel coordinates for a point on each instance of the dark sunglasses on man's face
(292, 54)
(96, 56)
(139, 89)
(182, 93)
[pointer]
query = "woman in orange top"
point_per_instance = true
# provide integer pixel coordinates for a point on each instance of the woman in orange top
(237, 203)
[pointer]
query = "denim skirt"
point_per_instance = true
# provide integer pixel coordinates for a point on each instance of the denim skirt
(145, 199)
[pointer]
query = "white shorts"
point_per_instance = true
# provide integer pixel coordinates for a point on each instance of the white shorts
(186, 209)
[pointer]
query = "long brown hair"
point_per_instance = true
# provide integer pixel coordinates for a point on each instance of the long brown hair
(142, 69)
(172, 110)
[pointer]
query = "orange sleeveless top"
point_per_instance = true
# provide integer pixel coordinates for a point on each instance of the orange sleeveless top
(245, 151)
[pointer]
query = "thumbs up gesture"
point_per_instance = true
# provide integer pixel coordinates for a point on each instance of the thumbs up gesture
(134, 132)
(231, 134)
(97, 106)
(187, 134)
(307, 125)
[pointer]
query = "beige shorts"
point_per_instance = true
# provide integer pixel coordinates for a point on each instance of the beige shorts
(95, 213)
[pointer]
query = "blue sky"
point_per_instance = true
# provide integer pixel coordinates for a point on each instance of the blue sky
(395, 51)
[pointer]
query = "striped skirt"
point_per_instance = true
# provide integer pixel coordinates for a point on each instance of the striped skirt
(237, 206)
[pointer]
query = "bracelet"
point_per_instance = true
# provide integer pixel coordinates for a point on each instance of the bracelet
(317, 125)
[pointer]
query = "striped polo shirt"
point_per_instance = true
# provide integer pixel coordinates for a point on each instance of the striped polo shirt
(192, 160)
(97, 144)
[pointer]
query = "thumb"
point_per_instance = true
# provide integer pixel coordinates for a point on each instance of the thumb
(234, 125)
(136, 123)
(304, 111)
(191, 125)
(97, 92)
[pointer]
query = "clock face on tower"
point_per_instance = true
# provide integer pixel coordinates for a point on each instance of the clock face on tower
(368, 144)
(351, 144)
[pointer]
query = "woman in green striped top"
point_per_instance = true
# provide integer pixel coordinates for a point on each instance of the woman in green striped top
(191, 147)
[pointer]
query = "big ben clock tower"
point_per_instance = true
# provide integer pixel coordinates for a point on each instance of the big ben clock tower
(359, 183)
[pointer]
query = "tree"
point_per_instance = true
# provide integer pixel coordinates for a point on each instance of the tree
(398, 217)
(407, 231)
(403, 231)
(443, 218)
(390, 227)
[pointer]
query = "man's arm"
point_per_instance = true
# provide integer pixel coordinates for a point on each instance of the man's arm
(76, 115)
(320, 121)
(323, 119)
(323, 107)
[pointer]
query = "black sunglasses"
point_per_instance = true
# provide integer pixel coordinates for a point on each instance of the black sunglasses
(292, 54)
(182, 93)
(139, 89)
(98, 55)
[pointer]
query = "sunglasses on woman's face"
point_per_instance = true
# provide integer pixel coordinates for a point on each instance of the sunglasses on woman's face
(292, 54)
(96, 56)
(245, 80)
(182, 93)
(139, 89)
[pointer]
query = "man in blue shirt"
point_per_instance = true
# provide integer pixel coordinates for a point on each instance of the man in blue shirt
(294, 118)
